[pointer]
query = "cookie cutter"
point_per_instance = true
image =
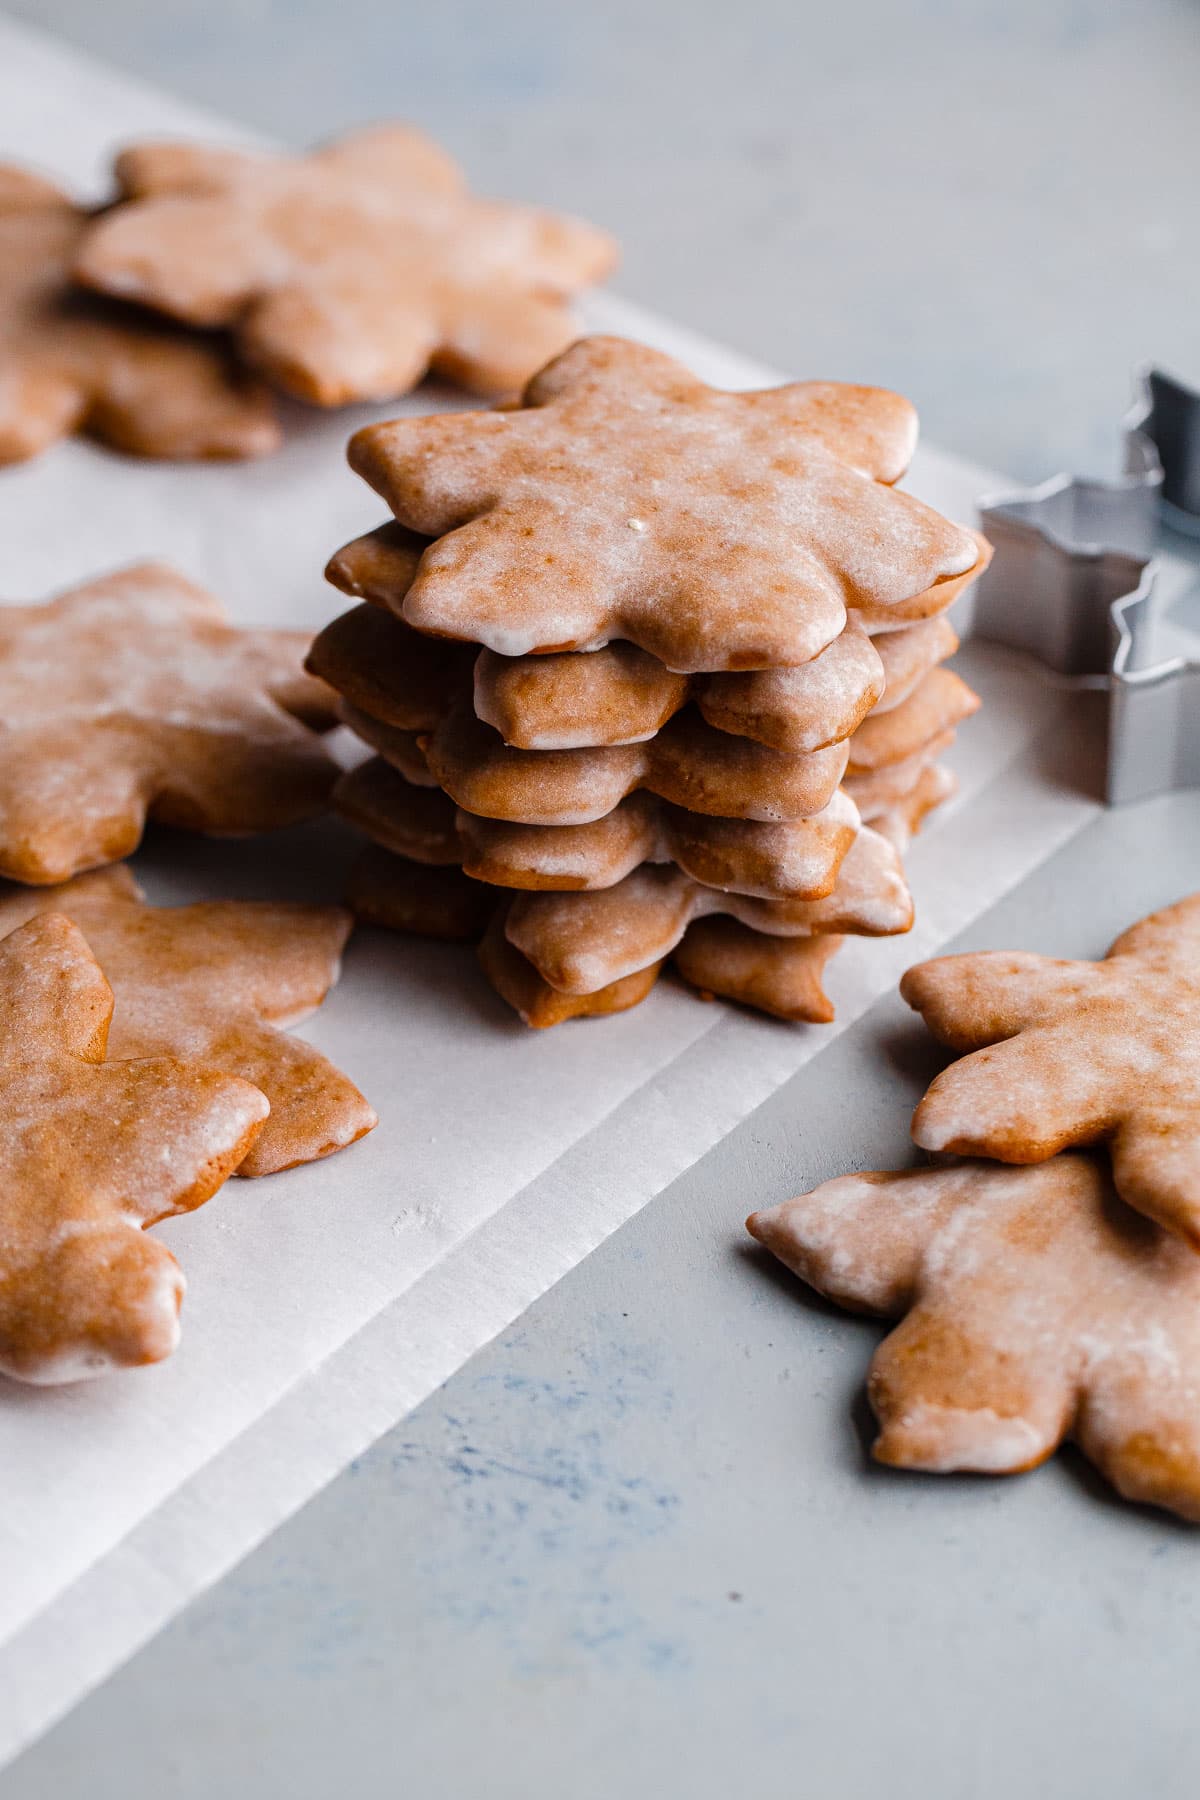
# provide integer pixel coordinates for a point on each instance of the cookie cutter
(1081, 581)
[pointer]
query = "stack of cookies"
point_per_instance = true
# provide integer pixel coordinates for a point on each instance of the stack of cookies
(649, 670)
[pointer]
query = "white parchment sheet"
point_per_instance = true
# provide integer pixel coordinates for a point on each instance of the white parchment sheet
(324, 1303)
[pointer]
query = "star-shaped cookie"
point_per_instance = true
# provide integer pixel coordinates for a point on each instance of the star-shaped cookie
(1066, 1053)
(72, 362)
(349, 273)
(133, 696)
(214, 983)
(581, 942)
(90, 1153)
(1035, 1307)
(625, 499)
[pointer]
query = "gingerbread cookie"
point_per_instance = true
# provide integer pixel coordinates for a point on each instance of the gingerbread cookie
(907, 656)
(538, 1004)
(687, 762)
(378, 567)
(625, 499)
(70, 362)
(581, 700)
(350, 273)
(91, 1152)
(796, 860)
(1035, 1308)
(880, 791)
(383, 668)
(722, 958)
(404, 750)
(411, 820)
(900, 822)
(718, 956)
(582, 942)
(212, 983)
(931, 603)
(134, 697)
(1065, 1053)
(401, 895)
(937, 705)
(801, 709)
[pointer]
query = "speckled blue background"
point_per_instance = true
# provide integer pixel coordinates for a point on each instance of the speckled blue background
(634, 1548)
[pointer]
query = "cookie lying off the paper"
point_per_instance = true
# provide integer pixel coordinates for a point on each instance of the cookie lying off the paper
(1035, 1307)
(91, 1152)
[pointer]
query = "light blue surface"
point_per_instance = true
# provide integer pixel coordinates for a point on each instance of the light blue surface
(634, 1547)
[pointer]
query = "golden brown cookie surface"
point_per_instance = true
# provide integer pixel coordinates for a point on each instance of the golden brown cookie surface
(349, 273)
(387, 670)
(625, 499)
(1057, 1054)
(936, 705)
(430, 901)
(70, 362)
(133, 696)
(538, 1004)
(688, 763)
(93, 1151)
(582, 942)
(900, 821)
(214, 983)
(1035, 1307)
(723, 958)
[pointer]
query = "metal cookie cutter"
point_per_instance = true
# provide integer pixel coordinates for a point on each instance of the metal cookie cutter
(1082, 579)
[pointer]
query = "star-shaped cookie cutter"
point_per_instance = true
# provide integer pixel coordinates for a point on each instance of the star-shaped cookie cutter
(1079, 579)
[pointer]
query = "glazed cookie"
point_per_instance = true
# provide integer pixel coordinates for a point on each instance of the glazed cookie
(900, 822)
(581, 700)
(687, 762)
(70, 362)
(383, 668)
(877, 792)
(538, 1004)
(134, 697)
(404, 750)
(907, 656)
(350, 273)
(93, 1151)
(937, 705)
(625, 499)
(880, 620)
(1034, 1308)
(781, 976)
(582, 942)
(1065, 1053)
(722, 958)
(214, 982)
(401, 895)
